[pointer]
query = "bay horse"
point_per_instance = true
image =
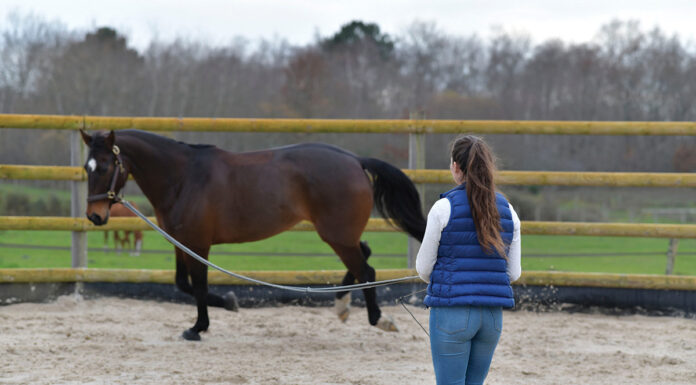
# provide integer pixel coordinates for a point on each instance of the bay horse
(203, 195)
(123, 241)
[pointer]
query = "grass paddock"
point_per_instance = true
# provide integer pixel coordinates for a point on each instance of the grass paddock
(305, 251)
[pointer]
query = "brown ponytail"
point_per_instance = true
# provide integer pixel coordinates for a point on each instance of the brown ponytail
(475, 159)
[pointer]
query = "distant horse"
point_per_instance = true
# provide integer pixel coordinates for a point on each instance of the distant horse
(203, 195)
(122, 240)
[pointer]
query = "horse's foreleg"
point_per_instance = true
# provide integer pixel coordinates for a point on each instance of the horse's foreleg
(181, 277)
(198, 288)
(199, 283)
(228, 301)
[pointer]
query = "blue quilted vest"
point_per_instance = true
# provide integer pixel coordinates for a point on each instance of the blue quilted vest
(464, 274)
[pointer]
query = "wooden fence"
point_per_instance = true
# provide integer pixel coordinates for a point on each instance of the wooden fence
(519, 178)
(643, 230)
(415, 128)
(403, 126)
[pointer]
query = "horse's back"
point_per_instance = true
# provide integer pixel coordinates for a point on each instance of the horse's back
(322, 169)
(262, 193)
(314, 163)
(337, 192)
(313, 148)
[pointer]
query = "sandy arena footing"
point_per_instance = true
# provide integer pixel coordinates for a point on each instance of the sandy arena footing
(126, 341)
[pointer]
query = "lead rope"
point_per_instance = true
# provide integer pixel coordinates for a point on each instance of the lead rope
(204, 261)
(401, 301)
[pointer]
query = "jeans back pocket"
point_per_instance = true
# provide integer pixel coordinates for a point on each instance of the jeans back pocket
(497, 314)
(451, 320)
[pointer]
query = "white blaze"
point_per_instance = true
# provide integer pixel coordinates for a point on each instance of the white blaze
(92, 164)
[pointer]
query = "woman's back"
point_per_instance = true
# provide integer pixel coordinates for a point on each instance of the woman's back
(470, 253)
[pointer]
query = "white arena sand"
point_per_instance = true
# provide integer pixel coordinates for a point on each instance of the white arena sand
(125, 341)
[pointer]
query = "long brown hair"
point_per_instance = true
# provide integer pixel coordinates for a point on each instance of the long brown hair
(476, 160)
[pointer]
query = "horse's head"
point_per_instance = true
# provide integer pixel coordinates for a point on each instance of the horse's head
(106, 175)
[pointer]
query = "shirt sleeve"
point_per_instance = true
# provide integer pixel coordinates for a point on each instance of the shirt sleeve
(438, 217)
(514, 260)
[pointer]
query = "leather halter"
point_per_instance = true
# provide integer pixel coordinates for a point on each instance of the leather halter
(118, 170)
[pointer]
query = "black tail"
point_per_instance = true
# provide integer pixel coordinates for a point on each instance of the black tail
(396, 197)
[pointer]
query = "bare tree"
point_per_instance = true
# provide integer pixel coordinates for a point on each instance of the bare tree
(506, 60)
(625, 73)
(23, 45)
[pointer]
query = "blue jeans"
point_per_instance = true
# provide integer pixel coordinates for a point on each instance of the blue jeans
(462, 342)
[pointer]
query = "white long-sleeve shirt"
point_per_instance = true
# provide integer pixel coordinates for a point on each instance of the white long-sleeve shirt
(438, 217)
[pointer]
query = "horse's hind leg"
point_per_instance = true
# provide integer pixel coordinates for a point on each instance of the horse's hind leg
(353, 258)
(342, 303)
(375, 315)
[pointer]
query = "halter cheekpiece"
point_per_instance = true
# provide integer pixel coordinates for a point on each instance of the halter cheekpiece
(118, 170)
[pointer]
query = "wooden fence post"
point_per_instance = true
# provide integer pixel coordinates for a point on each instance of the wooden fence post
(671, 255)
(416, 160)
(78, 201)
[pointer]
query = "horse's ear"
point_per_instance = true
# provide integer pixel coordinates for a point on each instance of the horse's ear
(87, 138)
(110, 139)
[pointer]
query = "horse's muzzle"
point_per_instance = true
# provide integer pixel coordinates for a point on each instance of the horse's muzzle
(97, 220)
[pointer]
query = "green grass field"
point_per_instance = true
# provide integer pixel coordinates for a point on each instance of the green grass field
(34, 193)
(642, 255)
(645, 255)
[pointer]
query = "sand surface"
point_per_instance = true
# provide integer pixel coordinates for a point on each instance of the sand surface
(123, 341)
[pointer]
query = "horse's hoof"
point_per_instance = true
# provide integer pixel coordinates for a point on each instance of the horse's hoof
(387, 324)
(342, 307)
(231, 302)
(191, 335)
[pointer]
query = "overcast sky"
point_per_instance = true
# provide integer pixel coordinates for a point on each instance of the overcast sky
(299, 21)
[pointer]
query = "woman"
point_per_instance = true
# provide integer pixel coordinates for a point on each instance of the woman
(469, 255)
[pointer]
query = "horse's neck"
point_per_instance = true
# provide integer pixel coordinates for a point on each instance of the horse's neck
(158, 168)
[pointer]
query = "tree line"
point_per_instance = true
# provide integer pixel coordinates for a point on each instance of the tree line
(626, 73)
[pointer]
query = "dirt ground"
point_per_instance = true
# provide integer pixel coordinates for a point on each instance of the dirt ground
(123, 341)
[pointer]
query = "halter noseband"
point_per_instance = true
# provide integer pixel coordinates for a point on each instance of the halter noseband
(111, 194)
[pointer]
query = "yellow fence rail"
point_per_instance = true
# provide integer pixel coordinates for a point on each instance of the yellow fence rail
(554, 178)
(69, 173)
(647, 230)
(61, 122)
